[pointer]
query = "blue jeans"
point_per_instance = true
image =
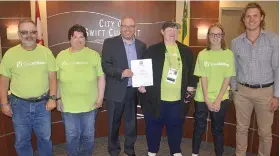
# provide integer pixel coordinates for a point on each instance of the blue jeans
(217, 125)
(79, 131)
(27, 116)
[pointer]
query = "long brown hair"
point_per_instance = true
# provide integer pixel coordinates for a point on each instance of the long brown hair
(250, 6)
(223, 43)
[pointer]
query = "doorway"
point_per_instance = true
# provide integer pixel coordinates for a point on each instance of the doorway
(230, 19)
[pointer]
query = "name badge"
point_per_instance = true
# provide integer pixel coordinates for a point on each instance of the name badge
(172, 76)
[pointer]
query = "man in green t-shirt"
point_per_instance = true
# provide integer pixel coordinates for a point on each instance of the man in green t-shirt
(30, 69)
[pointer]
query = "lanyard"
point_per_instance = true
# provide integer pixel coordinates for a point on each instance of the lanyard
(169, 60)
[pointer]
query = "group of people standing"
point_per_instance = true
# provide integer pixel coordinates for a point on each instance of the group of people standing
(84, 79)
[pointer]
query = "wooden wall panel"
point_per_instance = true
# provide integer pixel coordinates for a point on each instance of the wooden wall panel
(188, 128)
(275, 146)
(196, 50)
(230, 116)
(56, 116)
(7, 124)
(149, 16)
(146, 11)
(204, 9)
(14, 9)
(10, 14)
(194, 25)
(102, 124)
(275, 126)
(2, 132)
(3, 143)
(58, 133)
(10, 141)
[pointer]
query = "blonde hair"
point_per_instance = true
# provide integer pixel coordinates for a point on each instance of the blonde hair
(223, 43)
(250, 6)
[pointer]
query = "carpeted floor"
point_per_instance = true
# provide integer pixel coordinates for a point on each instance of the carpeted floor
(100, 148)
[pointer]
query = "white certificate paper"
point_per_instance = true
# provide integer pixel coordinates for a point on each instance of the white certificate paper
(142, 72)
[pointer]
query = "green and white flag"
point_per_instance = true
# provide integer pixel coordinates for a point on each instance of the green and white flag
(185, 24)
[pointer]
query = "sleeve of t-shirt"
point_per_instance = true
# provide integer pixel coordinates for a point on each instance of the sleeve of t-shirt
(199, 66)
(5, 67)
(99, 70)
(51, 61)
(57, 67)
(231, 68)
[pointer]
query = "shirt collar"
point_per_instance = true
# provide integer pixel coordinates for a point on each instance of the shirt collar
(243, 35)
(133, 42)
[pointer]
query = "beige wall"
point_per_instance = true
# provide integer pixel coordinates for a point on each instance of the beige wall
(271, 9)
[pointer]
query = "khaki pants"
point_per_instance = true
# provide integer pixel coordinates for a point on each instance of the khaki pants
(245, 100)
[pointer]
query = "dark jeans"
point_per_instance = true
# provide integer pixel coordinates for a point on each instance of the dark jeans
(79, 131)
(27, 116)
(127, 110)
(171, 119)
(217, 125)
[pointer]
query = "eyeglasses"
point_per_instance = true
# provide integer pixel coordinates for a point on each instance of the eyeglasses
(128, 26)
(25, 32)
(216, 35)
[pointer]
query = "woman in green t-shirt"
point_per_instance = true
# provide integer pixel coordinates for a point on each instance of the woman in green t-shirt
(214, 67)
(81, 85)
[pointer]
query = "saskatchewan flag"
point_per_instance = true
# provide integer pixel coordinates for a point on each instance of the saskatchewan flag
(185, 24)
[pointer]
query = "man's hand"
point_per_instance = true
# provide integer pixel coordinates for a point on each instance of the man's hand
(99, 103)
(274, 104)
(7, 110)
(127, 73)
(142, 89)
(51, 104)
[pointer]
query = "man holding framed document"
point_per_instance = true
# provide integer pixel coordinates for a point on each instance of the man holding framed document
(117, 54)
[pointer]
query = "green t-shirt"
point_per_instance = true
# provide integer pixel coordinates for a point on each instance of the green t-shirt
(215, 65)
(28, 70)
(77, 74)
(170, 91)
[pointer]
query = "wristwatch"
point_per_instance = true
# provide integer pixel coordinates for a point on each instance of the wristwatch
(52, 97)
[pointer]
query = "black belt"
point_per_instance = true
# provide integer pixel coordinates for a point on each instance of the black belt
(257, 86)
(36, 99)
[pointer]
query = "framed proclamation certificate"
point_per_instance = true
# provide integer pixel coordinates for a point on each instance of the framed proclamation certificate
(142, 72)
